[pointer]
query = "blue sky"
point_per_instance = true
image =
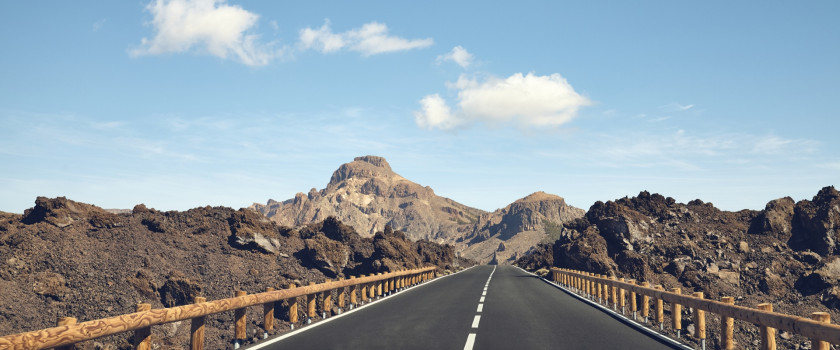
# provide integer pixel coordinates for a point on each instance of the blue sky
(180, 104)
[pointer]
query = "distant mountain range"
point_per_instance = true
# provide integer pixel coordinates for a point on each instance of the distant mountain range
(368, 195)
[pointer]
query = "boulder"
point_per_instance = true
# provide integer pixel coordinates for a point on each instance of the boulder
(775, 219)
(50, 284)
(732, 278)
(816, 223)
(327, 255)
(251, 230)
(179, 290)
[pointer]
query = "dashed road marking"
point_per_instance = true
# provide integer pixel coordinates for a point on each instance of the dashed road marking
(470, 342)
(477, 319)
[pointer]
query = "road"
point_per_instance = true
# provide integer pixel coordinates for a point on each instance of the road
(481, 308)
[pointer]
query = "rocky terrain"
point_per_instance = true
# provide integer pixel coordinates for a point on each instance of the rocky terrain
(503, 235)
(368, 195)
(787, 254)
(65, 258)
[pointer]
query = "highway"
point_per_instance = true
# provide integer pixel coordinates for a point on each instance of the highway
(485, 307)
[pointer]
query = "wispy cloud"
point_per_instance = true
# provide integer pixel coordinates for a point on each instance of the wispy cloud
(370, 39)
(675, 107)
(528, 100)
(459, 55)
(830, 165)
(99, 24)
(689, 150)
(207, 26)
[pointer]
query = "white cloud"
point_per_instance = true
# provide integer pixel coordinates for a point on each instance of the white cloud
(210, 26)
(529, 100)
(458, 55)
(371, 39)
(676, 107)
(436, 114)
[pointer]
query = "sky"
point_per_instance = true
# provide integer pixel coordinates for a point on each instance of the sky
(185, 103)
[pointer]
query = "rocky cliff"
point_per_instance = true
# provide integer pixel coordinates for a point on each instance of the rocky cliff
(368, 195)
(786, 254)
(65, 258)
(505, 234)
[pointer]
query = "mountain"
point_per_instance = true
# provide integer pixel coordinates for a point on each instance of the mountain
(787, 254)
(66, 258)
(368, 195)
(505, 234)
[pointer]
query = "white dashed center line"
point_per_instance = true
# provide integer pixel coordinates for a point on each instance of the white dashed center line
(477, 318)
(470, 342)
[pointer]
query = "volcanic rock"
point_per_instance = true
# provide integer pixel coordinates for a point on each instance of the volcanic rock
(65, 258)
(816, 223)
(785, 254)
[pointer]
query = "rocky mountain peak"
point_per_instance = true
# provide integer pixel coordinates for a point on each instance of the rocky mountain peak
(374, 160)
(367, 195)
(539, 197)
(363, 168)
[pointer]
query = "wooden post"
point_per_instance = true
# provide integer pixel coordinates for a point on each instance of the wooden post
(241, 322)
(605, 292)
(310, 305)
(768, 334)
(817, 344)
(633, 306)
(379, 286)
(353, 293)
(614, 294)
(621, 297)
(326, 301)
(363, 296)
(727, 327)
(660, 311)
(645, 302)
(268, 321)
(599, 290)
(676, 313)
(587, 284)
(197, 328)
(143, 336)
(341, 298)
(293, 308)
(66, 321)
(700, 322)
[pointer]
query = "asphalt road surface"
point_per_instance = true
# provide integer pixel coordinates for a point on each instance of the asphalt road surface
(485, 307)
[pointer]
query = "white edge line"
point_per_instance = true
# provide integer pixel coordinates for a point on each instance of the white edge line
(642, 328)
(321, 322)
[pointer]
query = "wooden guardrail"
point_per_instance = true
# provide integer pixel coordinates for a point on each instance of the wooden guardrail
(68, 332)
(604, 290)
